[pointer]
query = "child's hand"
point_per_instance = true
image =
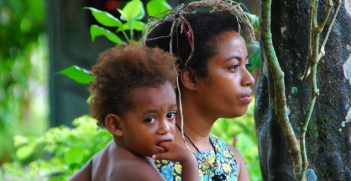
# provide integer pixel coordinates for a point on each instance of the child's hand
(180, 154)
(175, 153)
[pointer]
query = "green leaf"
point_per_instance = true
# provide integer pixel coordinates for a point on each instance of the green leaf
(96, 30)
(25, 151)
(255, 58)
(78, 74)
(134, 10)
(74, 155)
(137, 25)
(254, 20)
(105, 18)
(155, 7)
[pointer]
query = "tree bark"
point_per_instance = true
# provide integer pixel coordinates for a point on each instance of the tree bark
(328, 138)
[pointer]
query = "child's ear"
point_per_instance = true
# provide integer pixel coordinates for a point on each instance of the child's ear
(188, 78)
(113, 124)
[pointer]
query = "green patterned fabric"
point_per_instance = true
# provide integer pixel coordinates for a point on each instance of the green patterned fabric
(228, 165)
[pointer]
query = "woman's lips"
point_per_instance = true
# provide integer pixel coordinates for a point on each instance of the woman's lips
(247, 98)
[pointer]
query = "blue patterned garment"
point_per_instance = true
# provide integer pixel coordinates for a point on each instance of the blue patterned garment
(171, 171)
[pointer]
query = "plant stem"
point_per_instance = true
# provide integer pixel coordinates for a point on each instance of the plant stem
(279, 84)
(125, 35)
(131, 30)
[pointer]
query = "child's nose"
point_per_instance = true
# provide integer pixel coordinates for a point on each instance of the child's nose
(164, 127)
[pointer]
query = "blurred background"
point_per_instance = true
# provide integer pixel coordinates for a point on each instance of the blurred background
(39, 38)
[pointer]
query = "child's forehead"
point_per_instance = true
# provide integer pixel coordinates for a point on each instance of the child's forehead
(152, 95)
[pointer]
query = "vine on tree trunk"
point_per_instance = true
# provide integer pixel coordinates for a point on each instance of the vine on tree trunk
(314, 55)
(297, 150)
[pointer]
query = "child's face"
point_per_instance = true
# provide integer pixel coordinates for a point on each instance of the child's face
(151, 120)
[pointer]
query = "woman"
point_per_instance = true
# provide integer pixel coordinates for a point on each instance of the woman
(213, 82)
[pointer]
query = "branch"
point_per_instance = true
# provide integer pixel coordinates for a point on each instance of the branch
(329, 29)
(279, 84)
(316, 56)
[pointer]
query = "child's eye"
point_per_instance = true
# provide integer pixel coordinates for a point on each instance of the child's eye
(248, 65)
(149, 120)
(171, 115)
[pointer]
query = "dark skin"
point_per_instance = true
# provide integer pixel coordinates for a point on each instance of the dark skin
(223, 93)
(144, 131)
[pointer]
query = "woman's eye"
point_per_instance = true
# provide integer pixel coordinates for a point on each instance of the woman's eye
(233, 67)
(248, 65)
(149, 120)
(171, 115)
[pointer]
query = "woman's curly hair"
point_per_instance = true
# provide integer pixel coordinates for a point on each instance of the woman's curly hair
(122, 69)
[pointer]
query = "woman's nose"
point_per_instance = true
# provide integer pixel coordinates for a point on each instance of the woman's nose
(247, 79)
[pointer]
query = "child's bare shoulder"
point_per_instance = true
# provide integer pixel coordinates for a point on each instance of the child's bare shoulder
(137, 169)
(112, 163)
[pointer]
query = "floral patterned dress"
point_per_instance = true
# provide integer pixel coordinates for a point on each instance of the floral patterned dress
(171, 171)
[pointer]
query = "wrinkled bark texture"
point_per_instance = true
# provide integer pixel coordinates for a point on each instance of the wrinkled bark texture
(328, 138)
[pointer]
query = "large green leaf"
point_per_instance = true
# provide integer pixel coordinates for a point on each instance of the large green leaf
(74, 155)
(137, 25)
(134, 10)
(155, 7)
(78, 74)
(105, 18)
(96, 30)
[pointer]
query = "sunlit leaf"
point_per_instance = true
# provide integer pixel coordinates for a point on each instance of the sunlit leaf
(137, 25)
(78, 74)
(25, 151)
(133, 10)
(98, 31)
(155, 7)
(74, 155)
(105, 18)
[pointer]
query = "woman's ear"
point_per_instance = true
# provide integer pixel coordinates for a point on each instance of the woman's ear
(114, 124)
(188, 78)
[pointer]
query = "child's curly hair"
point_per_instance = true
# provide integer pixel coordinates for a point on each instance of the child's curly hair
(122, 69)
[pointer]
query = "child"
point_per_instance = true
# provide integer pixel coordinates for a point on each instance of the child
(134, 100)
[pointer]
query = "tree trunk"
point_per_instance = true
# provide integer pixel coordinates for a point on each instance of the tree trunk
(328, 138)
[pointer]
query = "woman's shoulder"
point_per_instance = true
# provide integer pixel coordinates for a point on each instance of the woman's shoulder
(220, 144)
(242, 170)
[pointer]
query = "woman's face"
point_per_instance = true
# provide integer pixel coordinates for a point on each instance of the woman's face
(225, 91)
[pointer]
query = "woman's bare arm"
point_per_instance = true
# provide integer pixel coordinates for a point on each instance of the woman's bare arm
(243, 173)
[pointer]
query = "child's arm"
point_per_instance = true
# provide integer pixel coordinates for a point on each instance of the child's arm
(180, 154)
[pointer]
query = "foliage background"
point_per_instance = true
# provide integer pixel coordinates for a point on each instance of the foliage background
(24, 107)
(23, 72)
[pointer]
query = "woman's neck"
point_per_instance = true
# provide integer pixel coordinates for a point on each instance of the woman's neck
(197, 126)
